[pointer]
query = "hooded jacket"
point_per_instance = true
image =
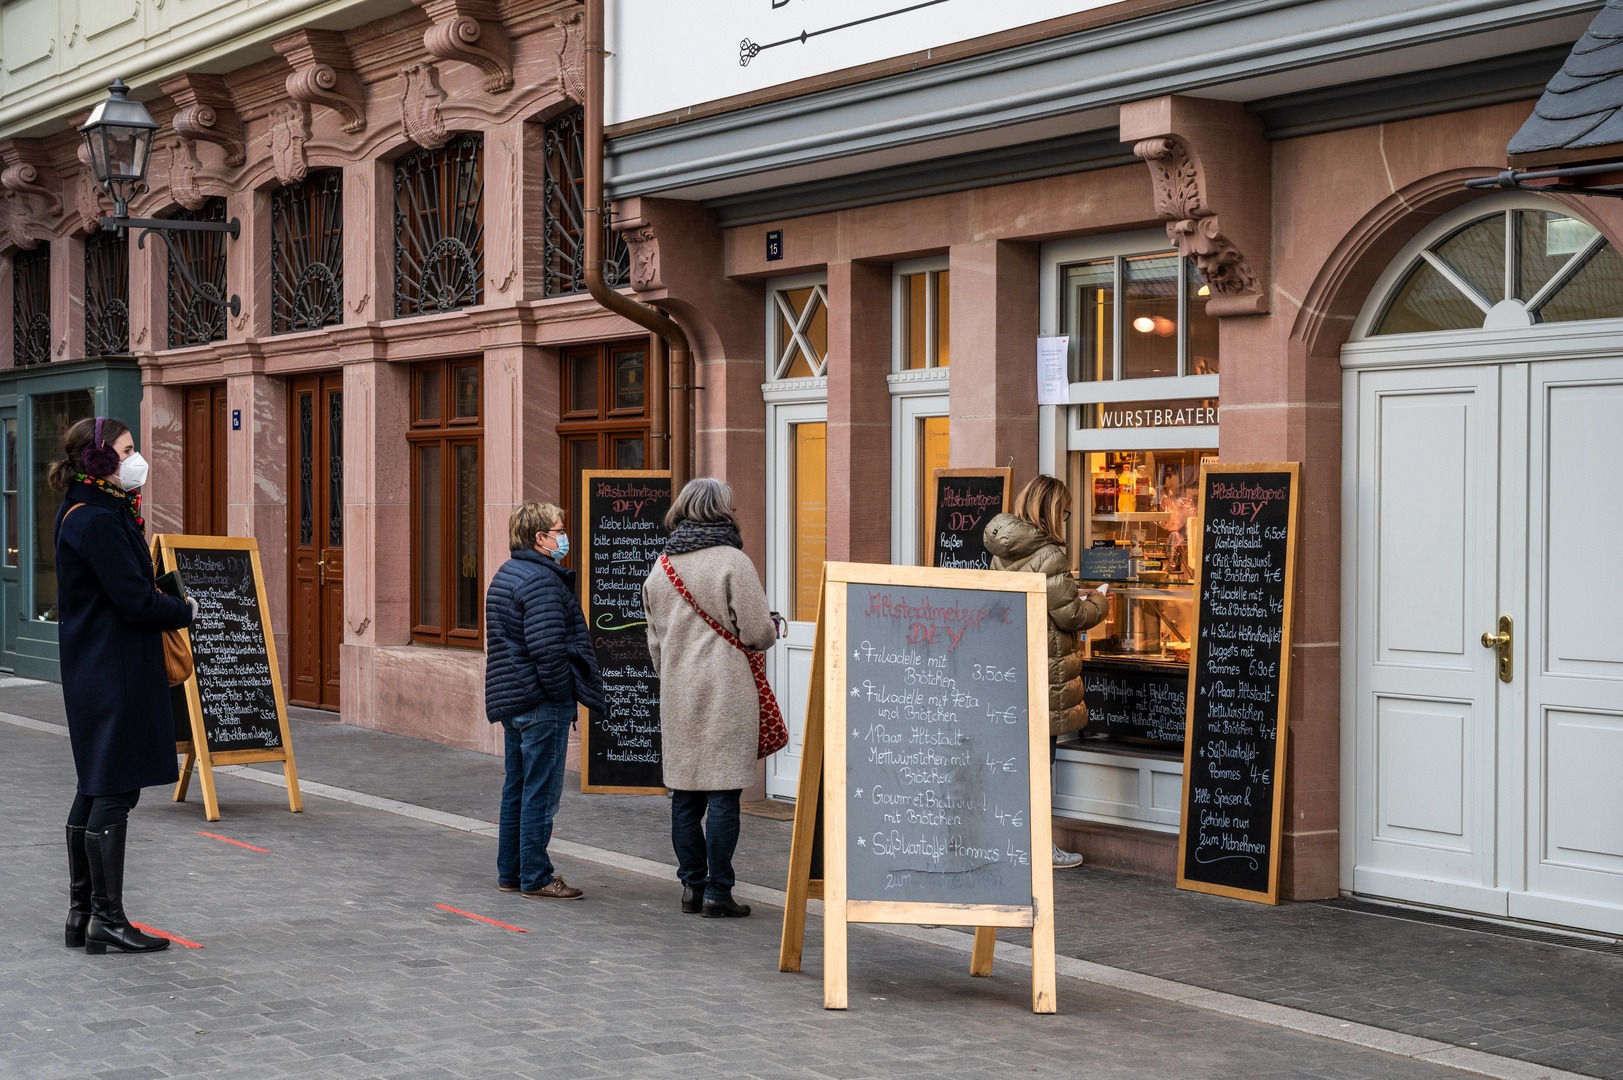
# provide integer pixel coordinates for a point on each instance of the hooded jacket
(1018, 545)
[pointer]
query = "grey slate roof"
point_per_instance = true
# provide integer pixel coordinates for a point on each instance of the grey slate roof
(1582, 106)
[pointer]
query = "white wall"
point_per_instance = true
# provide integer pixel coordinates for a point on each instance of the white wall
(669, 54)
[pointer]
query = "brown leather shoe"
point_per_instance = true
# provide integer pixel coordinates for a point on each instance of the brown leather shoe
(505, 887)
(556, 889)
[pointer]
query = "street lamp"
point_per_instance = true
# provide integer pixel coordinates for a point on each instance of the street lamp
(119, 138)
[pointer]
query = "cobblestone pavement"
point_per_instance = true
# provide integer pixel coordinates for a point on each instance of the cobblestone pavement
(326, 956)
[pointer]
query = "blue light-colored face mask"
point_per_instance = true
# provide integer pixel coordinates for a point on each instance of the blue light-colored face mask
(562, 550)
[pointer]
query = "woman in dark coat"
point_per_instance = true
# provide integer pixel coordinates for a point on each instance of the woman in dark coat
(114, 683)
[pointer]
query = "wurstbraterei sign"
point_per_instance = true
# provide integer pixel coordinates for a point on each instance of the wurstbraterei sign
(1234, 738)
(623, 532)
(935, 740)
(235, 710)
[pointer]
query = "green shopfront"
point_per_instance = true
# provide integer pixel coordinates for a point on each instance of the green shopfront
(37, 405)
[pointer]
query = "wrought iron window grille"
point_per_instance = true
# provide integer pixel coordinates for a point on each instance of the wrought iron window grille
(31, 306)
(107, 293)
(307, 253)
(307, 526)
(439, 228)
(563, 214)
(197, 304)
(335, 470)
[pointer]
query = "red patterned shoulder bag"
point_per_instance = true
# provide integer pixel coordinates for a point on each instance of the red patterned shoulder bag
(774, 733)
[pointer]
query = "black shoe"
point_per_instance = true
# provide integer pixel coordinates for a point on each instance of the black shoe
(725, 908)
(692, 899)
(78, 889)
(108, 923)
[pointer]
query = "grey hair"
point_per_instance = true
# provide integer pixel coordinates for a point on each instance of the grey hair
(703, 501)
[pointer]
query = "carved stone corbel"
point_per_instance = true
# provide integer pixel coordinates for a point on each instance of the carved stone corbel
(1211, 177)
(184, 168)
(644, 248)
(323, 74)
(572, 57)
(18, 227)
(86, 196)
(290, 130)
(420, 101)
(25, 169)
(470, 32)
(205, 114)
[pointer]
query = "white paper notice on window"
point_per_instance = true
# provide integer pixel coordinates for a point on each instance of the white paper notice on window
(1053, 380)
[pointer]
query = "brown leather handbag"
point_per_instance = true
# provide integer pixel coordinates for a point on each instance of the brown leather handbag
(177, 655)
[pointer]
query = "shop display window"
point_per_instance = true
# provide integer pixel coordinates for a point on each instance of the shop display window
(1140, 530)
(810, 522)
(1158, 329)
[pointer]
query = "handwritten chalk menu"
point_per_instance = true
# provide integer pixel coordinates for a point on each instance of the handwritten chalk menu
(938, 769)
(963, 501)
(233, 703)
(234, 681)
(1136, 701)
(930, 700)
(624, 516)
(1234, 745)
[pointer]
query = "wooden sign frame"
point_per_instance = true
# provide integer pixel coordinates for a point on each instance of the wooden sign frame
(582, 713)
(824, 741)
(197, 750)
(1282, 716)
(929, 552)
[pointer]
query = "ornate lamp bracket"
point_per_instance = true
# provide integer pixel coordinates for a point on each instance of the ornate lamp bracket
(163, 227)
(470, 32)
(1210, 173)
(323, 74)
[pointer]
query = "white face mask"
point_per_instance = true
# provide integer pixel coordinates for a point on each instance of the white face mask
(132, 472)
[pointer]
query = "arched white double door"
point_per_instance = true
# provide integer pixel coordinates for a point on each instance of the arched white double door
(1482, 479)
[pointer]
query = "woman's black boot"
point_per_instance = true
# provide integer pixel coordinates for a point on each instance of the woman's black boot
(108, 924)
(692, 899)
(725, 908)
(78, 889)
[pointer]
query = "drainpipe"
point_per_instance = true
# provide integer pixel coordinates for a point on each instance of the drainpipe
(676, 342)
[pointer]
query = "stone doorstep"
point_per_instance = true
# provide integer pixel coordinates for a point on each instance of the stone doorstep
(1118, 847)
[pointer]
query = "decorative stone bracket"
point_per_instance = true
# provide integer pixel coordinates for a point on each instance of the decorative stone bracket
(1211, 172)
(323, 74)
(206, 114)
(25, 169)
(420, 101)
(470, 32)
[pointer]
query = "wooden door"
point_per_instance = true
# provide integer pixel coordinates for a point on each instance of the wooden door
(316, 538)
(204, 456)
(1426, 586)
(1568, 660)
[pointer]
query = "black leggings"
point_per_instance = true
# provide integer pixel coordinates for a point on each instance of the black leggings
(96, 812)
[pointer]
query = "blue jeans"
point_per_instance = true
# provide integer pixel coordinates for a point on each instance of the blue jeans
(537, 742)
(704, 857)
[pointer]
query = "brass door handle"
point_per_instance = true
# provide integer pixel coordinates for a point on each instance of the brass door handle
(321, 579)
(1505, 642)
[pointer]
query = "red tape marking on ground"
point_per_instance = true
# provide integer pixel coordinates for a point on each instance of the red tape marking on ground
(159, 933)
(228, 840)
(481, 918)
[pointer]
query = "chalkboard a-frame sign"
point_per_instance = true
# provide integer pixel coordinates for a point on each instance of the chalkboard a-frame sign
(235, 708)
(622, 531)
(1239, 682)
(927, 737)
(961, 502)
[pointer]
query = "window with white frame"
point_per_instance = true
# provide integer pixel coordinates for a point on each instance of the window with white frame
(920, 355)
(798, 319)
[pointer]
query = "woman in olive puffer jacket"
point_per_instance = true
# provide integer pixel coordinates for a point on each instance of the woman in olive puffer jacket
(1032, 539)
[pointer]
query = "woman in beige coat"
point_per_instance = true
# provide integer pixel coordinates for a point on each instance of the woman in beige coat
(1032, 539)
(709, 712)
